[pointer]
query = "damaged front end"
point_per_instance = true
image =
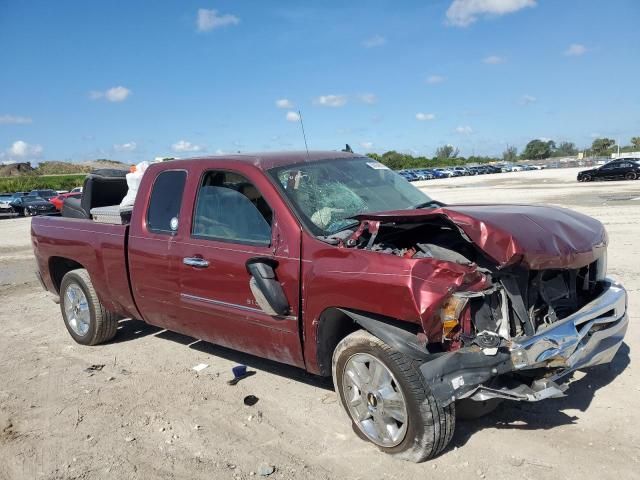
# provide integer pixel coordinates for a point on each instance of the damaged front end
(529, 305)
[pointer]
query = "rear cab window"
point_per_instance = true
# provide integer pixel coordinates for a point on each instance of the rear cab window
(165, 202)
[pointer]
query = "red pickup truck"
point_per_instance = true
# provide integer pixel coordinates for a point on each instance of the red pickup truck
(331, 262)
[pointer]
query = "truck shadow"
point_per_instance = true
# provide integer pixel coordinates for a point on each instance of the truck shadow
(130, 329)
(549, 413)
(543, 415)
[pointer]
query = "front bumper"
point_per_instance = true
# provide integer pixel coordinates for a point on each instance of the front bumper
(590, 336)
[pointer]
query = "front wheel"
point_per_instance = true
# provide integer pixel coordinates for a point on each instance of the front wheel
(388, 400)
(86, 319)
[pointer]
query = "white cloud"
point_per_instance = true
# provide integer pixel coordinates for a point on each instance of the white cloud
(493, 60)
(113, 94)
(23, 150)
(184, 146)
(331, 100)
(528, 100)
(434, 79)
(462, 13)
(284, 103)
(368, 98)
(464, 130)
(292, 117)
(125, 147)
(575, 50)
(375, 41)
(366, 145)
(210, 20)
(425, 116)
(12, 119)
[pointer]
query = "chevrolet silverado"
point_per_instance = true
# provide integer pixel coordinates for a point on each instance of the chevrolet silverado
(333, 263)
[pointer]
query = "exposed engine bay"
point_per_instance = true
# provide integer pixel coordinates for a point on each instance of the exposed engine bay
(518, 301)
(516, 331)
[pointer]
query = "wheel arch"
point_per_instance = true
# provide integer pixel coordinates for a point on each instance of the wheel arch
(335, 323)
(59, 267)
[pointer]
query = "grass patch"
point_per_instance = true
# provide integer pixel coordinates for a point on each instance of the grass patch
(29, 182)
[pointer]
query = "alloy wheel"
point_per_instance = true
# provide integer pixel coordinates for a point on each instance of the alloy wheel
(374, 400)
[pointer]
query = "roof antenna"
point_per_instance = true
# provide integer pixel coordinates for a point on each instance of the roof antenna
(303, 134)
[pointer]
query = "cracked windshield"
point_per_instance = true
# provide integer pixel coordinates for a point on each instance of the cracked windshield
(327, 195)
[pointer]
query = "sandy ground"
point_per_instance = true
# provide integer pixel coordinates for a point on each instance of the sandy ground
(147, 414)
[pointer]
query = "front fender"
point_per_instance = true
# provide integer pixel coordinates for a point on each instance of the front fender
(395, 334)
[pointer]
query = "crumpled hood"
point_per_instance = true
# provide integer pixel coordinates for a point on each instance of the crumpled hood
(539, 237)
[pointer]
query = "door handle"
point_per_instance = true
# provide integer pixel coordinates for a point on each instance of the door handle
(196, 262)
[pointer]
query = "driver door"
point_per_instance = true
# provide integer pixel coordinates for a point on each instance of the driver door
(233, 223)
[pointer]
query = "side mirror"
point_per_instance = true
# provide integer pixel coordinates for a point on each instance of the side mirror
(265, 287)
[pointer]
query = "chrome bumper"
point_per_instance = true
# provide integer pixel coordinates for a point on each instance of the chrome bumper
(591, 336)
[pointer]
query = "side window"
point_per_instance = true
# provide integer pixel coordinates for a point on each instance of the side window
(230, 208)
(166, 198)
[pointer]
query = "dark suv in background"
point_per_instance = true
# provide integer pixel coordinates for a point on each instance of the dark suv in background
(46, 194)
(622, 168)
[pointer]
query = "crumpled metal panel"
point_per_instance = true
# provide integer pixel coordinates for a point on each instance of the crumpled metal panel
(538, 237)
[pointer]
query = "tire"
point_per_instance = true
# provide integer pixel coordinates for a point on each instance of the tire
(586, 178)
(630, 176)
(86, 319)
(428, 426)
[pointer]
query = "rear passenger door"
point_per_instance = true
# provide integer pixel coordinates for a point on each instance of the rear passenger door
(153, 263)
(233, 223)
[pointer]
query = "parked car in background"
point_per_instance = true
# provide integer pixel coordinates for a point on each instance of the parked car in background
(5, 205)
(437, 174)
(423, 174)
(623, 168)
(76, 190)
(408, 175)
(46, 194)
(15, 195)
(461, 171)
(57, 201)
(32, 205)
(445, 172)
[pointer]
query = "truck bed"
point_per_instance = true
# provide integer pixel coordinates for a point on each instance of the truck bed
(100, 248)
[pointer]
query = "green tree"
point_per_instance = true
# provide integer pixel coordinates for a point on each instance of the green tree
(510, 154)
(602, 146)
(635, 141)
(447, 152)
(566, 149)
(538, 149)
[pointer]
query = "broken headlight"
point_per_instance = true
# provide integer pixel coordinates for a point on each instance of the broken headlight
(450, 314)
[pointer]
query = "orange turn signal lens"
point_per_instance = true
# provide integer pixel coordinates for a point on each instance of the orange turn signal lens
(450, 314)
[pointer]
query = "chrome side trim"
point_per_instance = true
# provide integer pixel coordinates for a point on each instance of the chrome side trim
(244, 308)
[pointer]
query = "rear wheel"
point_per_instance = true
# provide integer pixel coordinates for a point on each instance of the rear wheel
(630, 176)
(388, 400)
(86, 319)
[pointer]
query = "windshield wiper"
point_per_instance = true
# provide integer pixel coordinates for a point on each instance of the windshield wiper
(429, 203)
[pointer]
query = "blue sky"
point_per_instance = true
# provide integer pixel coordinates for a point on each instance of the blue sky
(132, 80)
